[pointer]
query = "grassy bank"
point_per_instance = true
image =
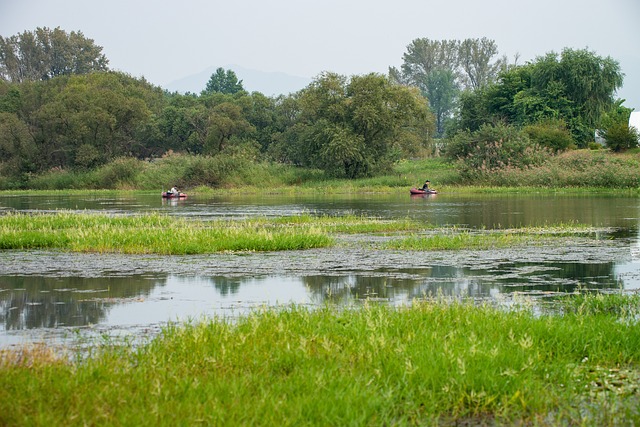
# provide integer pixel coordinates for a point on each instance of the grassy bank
(585, 169)
(580, 168)
(160, 234)
(435, 363)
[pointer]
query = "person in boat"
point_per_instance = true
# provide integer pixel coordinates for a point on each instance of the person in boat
(425, 187)
(174, 190)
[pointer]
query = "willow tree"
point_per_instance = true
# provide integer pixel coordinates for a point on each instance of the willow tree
(589, 81)
(575, 86)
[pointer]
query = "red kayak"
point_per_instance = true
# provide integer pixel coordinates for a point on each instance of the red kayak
(168, 195)
(420, 191)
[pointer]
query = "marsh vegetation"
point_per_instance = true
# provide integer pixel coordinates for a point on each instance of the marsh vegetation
(160, 234)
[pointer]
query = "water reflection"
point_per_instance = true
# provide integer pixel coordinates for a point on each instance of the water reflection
(475, 210)
(32, 303)
(28, 302)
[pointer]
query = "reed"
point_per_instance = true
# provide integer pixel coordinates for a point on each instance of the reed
(435, 363)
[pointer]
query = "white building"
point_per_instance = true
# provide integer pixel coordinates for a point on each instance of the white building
(634, 120)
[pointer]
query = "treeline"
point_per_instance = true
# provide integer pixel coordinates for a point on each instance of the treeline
(347, 127)
(62, 109)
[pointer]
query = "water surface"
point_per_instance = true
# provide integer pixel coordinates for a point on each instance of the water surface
(57, 297)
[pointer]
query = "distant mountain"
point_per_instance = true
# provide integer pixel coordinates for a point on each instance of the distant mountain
(268, 83)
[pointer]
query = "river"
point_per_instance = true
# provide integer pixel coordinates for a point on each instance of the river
(59, 297)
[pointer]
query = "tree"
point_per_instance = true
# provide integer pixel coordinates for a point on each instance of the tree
(615, 128)
(472, 62)
(587, 80)
(65, 116)
(620, 136)
(18, 153)
(226, 121)
(575, 87)
(223, 82)
(180, 120)
(44, 54)
(424, 55)
(441, 90)
(353, 128)
(475, 58)
(441, 68)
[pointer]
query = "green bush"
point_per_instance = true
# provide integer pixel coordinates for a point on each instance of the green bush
(579, 168)
(210, 171)
(493, 148)
(163, 173)
(619, 136)
(552, 134)
(119, 174)
(60, 179)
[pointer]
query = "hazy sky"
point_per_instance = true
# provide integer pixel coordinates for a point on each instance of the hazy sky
(167, 40)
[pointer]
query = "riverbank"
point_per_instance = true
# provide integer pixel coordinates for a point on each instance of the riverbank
(577, 170)
(436, 362)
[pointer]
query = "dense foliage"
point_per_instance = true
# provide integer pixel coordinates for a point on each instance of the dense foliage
(355, 128)
(576, 87)
(80, 122)
(494, 148)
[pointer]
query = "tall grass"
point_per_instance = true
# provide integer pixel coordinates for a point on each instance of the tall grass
(435, 363)
(578, 168)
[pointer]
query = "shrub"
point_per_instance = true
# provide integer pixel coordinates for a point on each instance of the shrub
(620, 136)
(552, 134)
(59, 179)
(119, 174)
(580, 168)
(493, 148)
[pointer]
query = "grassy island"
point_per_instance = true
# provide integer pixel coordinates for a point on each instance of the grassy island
(165, 235)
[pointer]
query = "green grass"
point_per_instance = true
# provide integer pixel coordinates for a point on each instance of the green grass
(151, 233)
(435, 363)
(160, 234)
(454, 239)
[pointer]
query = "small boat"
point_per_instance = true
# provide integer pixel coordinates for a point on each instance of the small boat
(169, 195)
(421, 191)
